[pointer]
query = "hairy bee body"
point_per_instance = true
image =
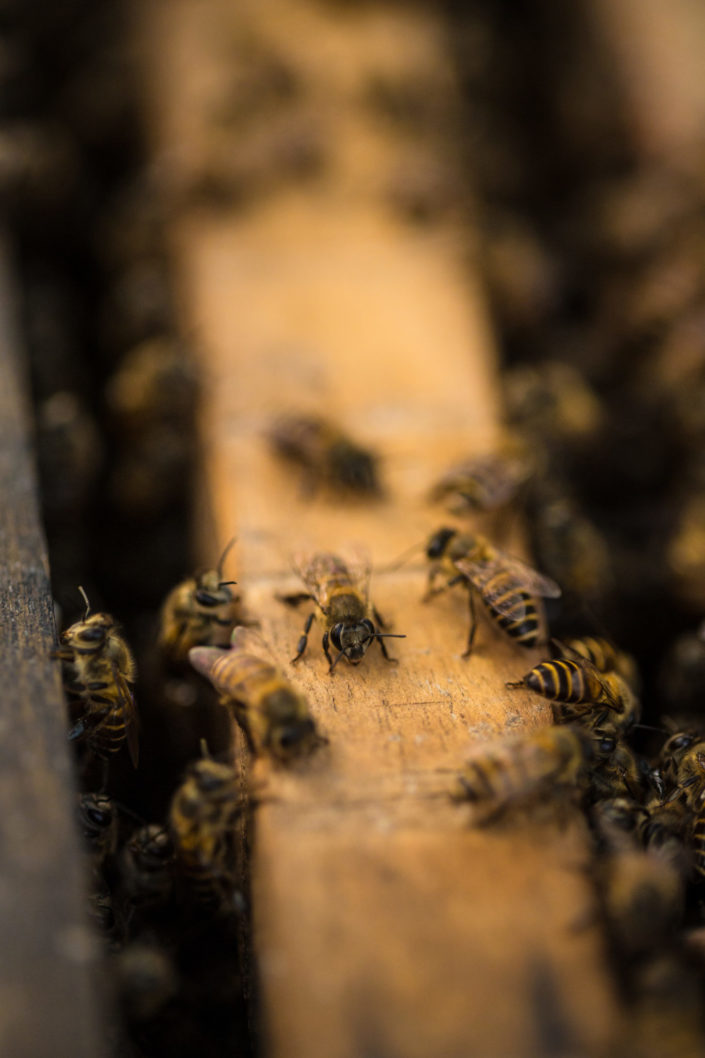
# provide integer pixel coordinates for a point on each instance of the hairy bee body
(508, 588)
(351, 623)
(482, 483)
(201, 611)
(682, 767)
(98, 669)
(642, 898)
(274, 715)
(147, 867)
(202, 817)
(326, 454)
(697, 845)
(525, 768)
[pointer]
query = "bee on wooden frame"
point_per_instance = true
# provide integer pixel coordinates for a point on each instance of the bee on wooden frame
(512, 771)
(326, 455)
(340, 591)
(580, 690)
(98, 670)
(482, 483)
(272, 712)
(507, 587)
(201, 611)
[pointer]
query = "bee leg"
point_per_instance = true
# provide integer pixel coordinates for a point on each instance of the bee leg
(303, 640)
(379, 620)
(326, 651)
(473, 625)
(77, 731)
(387, 656)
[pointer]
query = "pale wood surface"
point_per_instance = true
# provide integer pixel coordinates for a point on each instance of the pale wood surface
(384, 923)
(49, 1002)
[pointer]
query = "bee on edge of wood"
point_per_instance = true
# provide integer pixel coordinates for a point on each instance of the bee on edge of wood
(340, 592)
(327, 456)
(272, 712)
(507, 587)
(200, 611)
(98, 670)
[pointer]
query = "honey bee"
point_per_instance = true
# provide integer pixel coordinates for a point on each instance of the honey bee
(618, 771)
(202, 817)
(273, 714)
(682, 766)
(98, 669)
(201, 611)
(664, 829)
(616, 822)
(526, 768)
(642, 899)
(98, 821)
(507, 587)
(341, 594)
(327, 456)
(146, 867)
(581, 691)
(482, 483)
(697, 845)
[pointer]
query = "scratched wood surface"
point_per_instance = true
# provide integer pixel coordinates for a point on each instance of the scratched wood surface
(384, 924)
(49, 1003)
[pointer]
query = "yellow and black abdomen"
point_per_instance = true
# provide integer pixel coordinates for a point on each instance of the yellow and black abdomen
(515, 610)
(562, 680)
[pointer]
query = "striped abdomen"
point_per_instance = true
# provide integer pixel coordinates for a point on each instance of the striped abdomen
(235, 675)
(561, 680)
(514, 609)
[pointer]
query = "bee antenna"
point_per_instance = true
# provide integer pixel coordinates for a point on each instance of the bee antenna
(340, 655)
(648, 727)
(399, 561)
(221, 560)
(388, 635)
(226, 583)
(85, 599)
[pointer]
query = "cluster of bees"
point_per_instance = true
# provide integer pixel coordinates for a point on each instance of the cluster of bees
(647, 813)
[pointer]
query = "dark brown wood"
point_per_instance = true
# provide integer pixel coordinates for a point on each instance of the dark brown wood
(48, 953)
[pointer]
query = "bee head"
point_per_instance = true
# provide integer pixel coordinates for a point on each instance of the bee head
(293, 738)
(92, 632)
(353, 639)
(211, 590)
(438, 543)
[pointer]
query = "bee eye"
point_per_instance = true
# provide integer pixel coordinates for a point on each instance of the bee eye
(437, 543)
(608, 744)
(93, 633)
(335, 636)
(101, 819)
(681, 742)
(205, 598)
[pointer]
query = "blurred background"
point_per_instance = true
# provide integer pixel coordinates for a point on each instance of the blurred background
(571, 165)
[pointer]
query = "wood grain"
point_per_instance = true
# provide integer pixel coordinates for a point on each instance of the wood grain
(49, 1003)
(385, 924)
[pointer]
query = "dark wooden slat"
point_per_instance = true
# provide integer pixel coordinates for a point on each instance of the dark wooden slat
(48, 954)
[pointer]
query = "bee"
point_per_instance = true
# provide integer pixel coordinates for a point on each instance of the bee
(327, 456)
(146, 867)
(682, 766)
(482, 483)
(507, 587)
(98, 669)
(697, 844)
(664, 829)
(201, 611)
(98, 821)
(581, 691)
(341, 594)
(616, 822)
(526, 768)
(273, 714)
(642, 900)
(618, 771)
(202, 817)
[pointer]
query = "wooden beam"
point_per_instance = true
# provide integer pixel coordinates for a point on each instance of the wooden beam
(384, 923)
(48, 955)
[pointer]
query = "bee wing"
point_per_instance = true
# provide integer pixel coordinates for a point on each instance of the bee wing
(528, 578)
(307, 566)
(127, 701)
(314, 570)
(359, 564)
